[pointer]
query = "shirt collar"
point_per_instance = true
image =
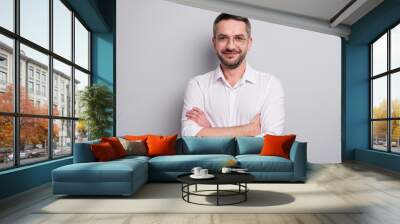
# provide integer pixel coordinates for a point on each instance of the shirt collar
(249, 74)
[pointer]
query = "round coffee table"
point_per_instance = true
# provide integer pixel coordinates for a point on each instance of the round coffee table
(238, 179)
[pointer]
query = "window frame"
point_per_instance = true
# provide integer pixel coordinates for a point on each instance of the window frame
(388, 74)
(16, 114)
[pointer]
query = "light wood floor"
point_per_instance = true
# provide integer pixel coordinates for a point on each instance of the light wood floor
(378, 188)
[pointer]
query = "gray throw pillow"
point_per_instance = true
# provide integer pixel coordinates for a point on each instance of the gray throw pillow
(137, 148)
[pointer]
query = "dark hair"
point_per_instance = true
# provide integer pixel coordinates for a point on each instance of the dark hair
(225, 16)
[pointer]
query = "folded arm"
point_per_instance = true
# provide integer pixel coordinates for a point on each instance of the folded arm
(196, 123)
(251, 129)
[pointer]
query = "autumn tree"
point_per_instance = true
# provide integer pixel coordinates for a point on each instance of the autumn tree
(33, 131)
(380, 127)
(6, 122)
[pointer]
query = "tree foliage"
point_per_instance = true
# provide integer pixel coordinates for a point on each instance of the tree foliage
(380, 127)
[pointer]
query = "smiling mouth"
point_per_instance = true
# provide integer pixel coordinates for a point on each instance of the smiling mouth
(230, 54)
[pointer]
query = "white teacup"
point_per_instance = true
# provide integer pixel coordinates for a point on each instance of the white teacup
(196, 171)
(226, 170)
(203, 172)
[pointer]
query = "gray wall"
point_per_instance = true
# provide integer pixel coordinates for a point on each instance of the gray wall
(161, 45)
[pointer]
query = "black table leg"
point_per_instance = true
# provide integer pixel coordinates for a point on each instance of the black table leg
(185, 188)
(217, 194)
(182, 189)
(245, 193)
(188, 190)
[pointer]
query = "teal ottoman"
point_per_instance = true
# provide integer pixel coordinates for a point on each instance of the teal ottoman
(118, 177)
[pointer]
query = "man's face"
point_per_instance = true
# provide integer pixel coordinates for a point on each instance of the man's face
(231, 42)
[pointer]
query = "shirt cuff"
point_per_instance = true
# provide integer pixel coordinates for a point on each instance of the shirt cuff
(261, 135)
(191, 130)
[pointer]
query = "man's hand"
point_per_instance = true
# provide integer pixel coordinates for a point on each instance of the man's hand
(254, 126)
(198, 116)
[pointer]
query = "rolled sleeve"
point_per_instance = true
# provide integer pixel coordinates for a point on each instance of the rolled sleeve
(191, 130)
(193, 98)
(273, 109)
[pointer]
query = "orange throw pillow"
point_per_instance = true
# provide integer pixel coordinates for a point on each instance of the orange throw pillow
(277, 145)
(103, 152)
(116, 145)
(136, 137)
(161, 145)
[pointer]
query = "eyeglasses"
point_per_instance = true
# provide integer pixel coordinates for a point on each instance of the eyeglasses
(238, 39)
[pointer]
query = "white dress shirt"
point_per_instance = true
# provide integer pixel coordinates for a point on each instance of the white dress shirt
(227, 106)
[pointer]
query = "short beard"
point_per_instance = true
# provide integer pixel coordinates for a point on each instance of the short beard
(234, 64)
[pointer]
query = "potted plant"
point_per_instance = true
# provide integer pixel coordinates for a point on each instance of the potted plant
(96, 102)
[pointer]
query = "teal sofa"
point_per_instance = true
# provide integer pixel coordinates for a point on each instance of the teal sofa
(125, 176)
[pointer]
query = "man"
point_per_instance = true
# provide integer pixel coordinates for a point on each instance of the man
(234, 99)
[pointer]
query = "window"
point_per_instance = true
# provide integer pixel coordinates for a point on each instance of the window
(3, 78)
(33, 149)
(385, 91)
(6, 73)
(3, 72)
(30, 72)
(81, 81)
(6, 142)
(44, 91)
(38, 89)
(81, 45)
(44, 131)
(43, 77)
(62, 137)
(37, 74)
(35, 21)
(62, 29)
(7, 14)
(3, 61)
(62, 75)
(30, 87)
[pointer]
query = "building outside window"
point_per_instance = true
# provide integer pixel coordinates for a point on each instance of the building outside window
(34, 79)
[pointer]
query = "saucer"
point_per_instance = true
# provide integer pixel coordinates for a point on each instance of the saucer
(208, 176)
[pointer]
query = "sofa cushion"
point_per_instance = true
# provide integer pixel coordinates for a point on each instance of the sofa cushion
(131, 158)
(161, 145)
(116, 145)
(185, 163)
(136, 137)
(277, 145)
(249, 145)
(257, 163)
(135, 147)
(95, 172)
(103, 152)
(208, 145)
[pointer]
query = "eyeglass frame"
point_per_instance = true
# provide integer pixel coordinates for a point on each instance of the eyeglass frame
(234, 38)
